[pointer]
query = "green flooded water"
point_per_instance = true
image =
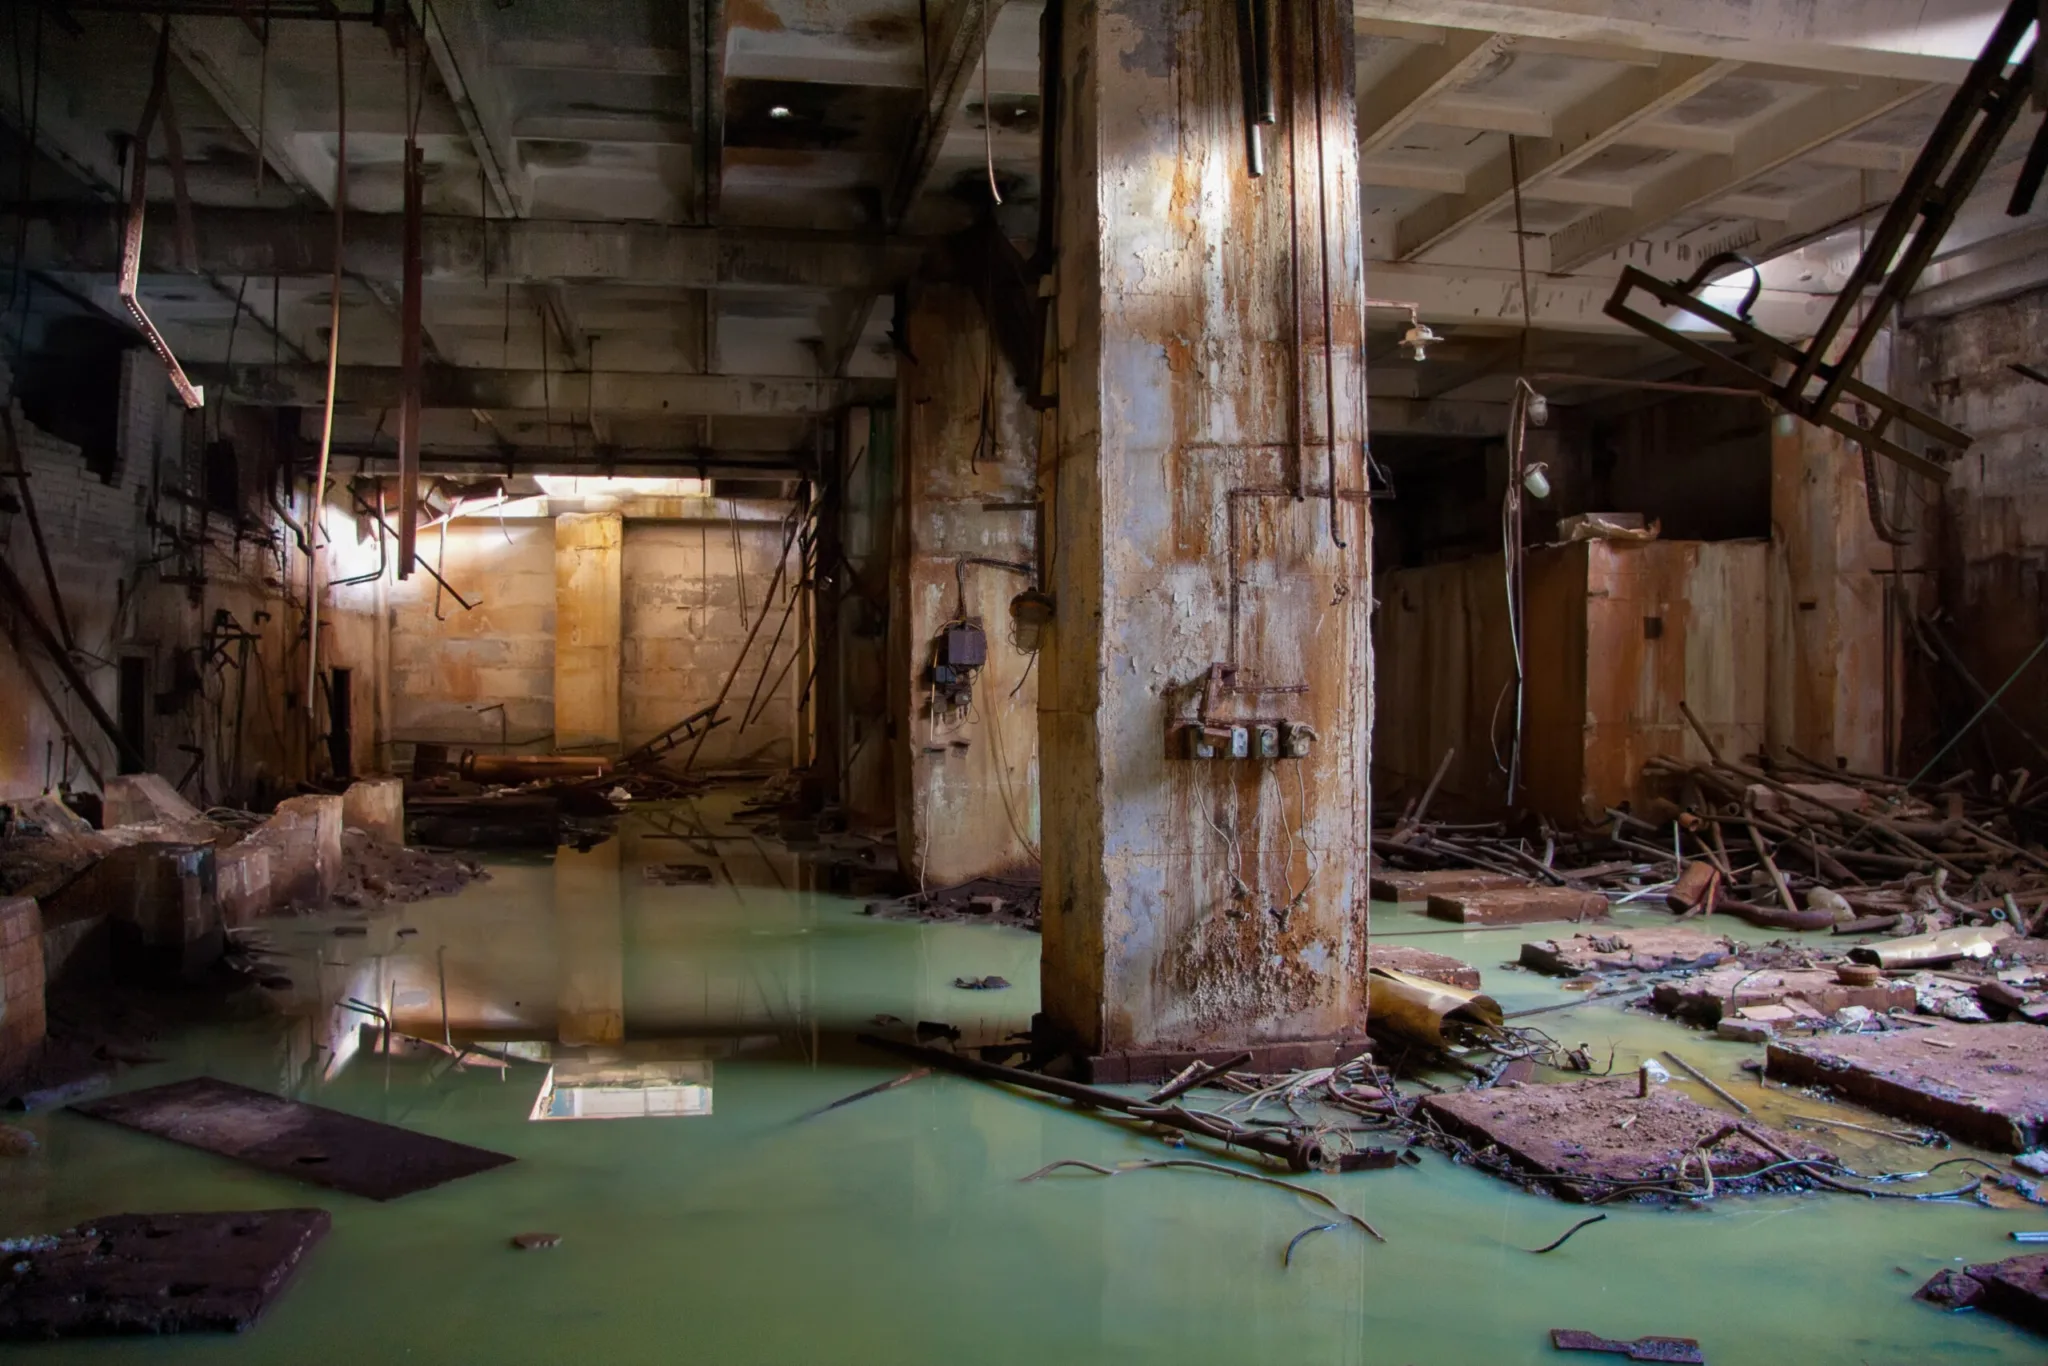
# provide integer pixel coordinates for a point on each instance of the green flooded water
(896, 1230)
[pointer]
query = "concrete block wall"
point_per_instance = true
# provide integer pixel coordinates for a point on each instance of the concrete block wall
(22, 1018)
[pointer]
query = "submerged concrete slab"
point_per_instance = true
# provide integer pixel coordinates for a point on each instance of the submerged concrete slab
(155, 1273)
(1437, 967)
(1394, 885)
(1587, 1139)
(1705, 998)
(1650, 949)
(1983, 1083)
(1518, 906)
(2015, 1289)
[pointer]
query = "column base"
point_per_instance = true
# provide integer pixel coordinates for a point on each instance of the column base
(1112, 1068)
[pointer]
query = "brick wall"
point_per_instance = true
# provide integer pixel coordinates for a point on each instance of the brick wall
(21, 982)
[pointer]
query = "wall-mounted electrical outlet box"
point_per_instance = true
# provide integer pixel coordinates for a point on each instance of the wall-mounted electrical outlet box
(1268, 746)
(964, 647)
(1297, 738)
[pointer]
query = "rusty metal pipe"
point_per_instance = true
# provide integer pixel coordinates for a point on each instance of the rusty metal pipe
(1299, 1154)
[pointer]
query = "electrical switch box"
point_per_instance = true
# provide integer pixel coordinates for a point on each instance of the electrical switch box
(963, 647)
(1240, 742)
(1268, 746)
(1297, 739)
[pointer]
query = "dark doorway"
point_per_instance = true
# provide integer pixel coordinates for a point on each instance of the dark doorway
(340, 724)
(133, 712)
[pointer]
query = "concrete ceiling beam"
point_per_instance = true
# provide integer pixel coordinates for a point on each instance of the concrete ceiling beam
(1582, 131)
(465, 250)
(567, 395)
(1815, 121)
(708, 43)
(1429, 177)
(956, 48)
(458, 35)
(1898, 39)
(1402, 98)
(1465, 294)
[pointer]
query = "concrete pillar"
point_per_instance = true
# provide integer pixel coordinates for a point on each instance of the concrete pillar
(590, 927)
(967, 788)
(1828, 657)
(588, 549)
(1194, 906)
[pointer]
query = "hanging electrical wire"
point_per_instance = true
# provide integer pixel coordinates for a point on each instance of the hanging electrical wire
(333, 364)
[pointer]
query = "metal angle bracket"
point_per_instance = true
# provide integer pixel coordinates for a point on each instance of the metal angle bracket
(1869, 434)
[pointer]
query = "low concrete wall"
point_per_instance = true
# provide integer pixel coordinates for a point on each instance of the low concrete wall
(22, 1020)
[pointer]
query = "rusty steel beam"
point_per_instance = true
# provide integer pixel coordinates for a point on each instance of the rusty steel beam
(605, 391)
(409, 329)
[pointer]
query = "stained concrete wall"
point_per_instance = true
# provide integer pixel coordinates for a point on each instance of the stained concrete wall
(126, 554)
(967, 783)
(675, 630)
(1184, 427)
(690, 598)
(1989, 530)
(483, 678)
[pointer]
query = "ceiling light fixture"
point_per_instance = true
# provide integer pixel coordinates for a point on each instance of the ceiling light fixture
(779, 111)
(1418, 339)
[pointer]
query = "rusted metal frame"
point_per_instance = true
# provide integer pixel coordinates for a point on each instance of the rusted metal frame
(16, 594)
(1981, 91)
(35, 528)
(131, 238)
(1633, 278)
(460, 601)
(1940, 207)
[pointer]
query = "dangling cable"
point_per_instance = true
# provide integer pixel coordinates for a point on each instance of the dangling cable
(333, 364)
(988, 137)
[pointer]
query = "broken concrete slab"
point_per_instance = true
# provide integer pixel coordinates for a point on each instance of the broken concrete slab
(155, 1273)
(303, 840)
(1649, 949)
(241, 875)
(1589, 1139)
(1437, 967)
(143, 799)
(1395, 885)
(376, 806)
(2015, 1289)
(1986, 1084)
(1517, 906)
(290, 1138)
(1706, 997)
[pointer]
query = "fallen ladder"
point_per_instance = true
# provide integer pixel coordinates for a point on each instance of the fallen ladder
(697, 724)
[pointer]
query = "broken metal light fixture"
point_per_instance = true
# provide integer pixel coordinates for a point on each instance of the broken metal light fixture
(1418, 339)
(1536, 479)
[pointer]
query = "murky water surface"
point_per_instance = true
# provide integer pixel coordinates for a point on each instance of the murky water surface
(896, 1230)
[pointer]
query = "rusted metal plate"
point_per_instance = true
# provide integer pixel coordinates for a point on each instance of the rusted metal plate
(1437, 967)
(1587, 1139)
(1983, 1083)
(155, 1273)
(1389, 885)
(1637, 1349)
(1652, 949)
(1518, 906)
(290, 1138)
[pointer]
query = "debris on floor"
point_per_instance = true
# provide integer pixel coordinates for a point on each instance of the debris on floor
(290, 1138)
(2015, 1289)
(1388, 885)
(533, 1242)
(678, 874)
(1777, 995)
(375, 873)
(1986, 1084)
(154, 1273)
(981, 983)
(982, 900)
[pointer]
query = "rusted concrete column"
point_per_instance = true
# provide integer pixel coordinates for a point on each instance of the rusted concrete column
(1827, 653)
(967, 774)
(1196, 906)
(588, 551)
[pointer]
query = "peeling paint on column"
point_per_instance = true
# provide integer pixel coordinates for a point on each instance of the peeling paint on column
(1198, 905)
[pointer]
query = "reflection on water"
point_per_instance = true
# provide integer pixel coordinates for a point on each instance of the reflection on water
(895, 1230)
(617, 1084)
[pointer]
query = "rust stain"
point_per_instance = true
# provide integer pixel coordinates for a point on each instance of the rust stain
(752, 14)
